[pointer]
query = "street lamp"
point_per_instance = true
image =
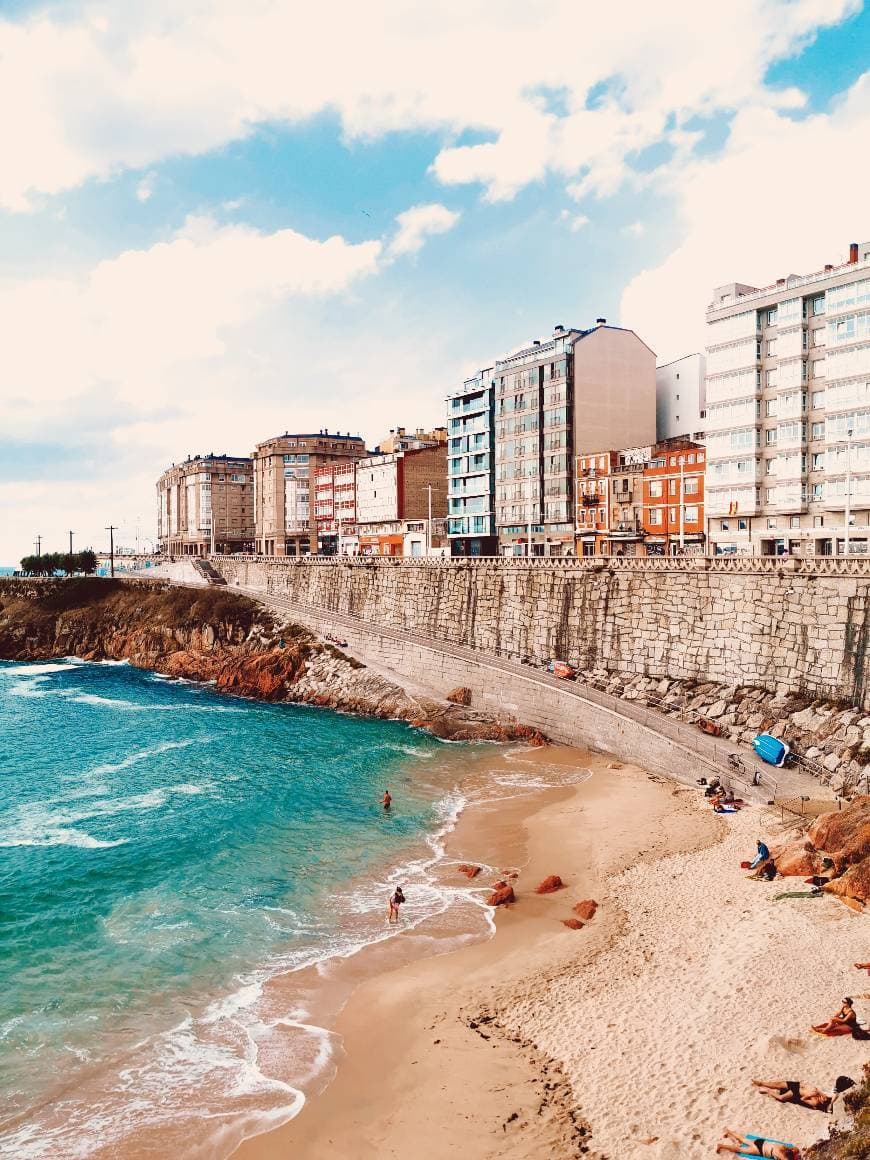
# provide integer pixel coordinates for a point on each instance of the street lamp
(429, 489)
(682, 504)
(848, 490)
(69, 570)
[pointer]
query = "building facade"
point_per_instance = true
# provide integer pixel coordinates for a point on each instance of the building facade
(401, 440)
(206, 504)
(788, 413)
(609, 514)
(570, 395)
(284, 500)
(335, 509)
(471, 467)
(673, 499)
(401, 502)
(681, 398)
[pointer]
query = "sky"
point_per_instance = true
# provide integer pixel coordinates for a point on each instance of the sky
(221, 221)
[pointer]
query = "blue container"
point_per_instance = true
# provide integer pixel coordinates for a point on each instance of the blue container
(770, 749)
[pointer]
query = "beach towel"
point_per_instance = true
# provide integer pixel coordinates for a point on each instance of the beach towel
(798, 894)
(751, 1136)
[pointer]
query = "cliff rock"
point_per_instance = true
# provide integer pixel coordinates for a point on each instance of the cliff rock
(842, 836)
(501, 895)
(550, 885)
(585, 909)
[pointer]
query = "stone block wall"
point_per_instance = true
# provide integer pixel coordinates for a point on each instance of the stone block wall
(778, 630)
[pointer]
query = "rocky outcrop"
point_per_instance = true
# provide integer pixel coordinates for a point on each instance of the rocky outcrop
(585, 909)
(573, 923)
(221, 637)
(502, 894)
(836, 846)
(459, 696)
(468, 871)
(550, 885)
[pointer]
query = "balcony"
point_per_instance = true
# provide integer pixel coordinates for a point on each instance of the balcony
(592, 500)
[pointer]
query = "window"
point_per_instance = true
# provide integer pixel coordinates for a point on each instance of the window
(818, 430)
(673, 461)
(692, 457)
(819, 370)
(819, 304)
(794, 521)
(655, 488)
(819, 338)
(771, 347)
(723, 525)
(672, 515)
(818, 461)
(655, 516)
(741, 525)
(770, 467)
(771, 377)
(771, 524)
(770, 495)
(818, 491)
(771, 406)
(771, 317)
(770, 435)
(672, 487)
(690, 485)
(691, 516)
(818, 521)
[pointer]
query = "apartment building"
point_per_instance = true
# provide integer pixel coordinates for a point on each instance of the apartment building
(284, 500)
(401, 502)
(335, 509)
(578, 391)
(401, 440)
(673, 499)
(609, 488)
(471, 467)
(788, 413)
(681, 398)
(206, 504)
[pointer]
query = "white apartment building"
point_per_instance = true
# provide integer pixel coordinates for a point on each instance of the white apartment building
(788, 413)
(680, 398)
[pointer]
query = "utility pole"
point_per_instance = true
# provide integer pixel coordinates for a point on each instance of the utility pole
(848, 490)
(38, 543)
(111, 529)
(69, 570)
(429, 523)
(682, 503)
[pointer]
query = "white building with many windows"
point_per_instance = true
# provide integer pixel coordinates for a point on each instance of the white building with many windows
(788, 413)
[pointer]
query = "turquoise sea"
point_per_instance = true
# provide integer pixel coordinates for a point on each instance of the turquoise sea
(165, 852)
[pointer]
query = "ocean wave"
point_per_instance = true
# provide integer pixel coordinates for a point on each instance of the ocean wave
(135, 758)
(35, 669)
(58, 837)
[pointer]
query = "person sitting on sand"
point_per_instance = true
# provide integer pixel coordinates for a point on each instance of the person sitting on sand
(863, 967)
(387, 800)
(756, 1146)
(843, 1023)
(790, 1091)
(396, 900)
(763, 855)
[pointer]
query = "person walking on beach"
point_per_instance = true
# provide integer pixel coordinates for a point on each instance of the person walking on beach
(387, 800)
(396, 900)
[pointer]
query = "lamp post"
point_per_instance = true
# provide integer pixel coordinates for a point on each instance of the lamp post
(38, 544)
(111, 529)
(682, 503)
(848, 490)
(69, 569)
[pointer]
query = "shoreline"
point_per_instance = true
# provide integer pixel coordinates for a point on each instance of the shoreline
(635, 1036)
(446, 1055)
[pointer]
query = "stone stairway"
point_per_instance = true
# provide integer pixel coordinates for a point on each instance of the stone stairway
(208, 572)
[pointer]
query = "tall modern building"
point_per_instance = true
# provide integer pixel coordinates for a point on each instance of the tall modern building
(573, 393)
(680, 398)
(471, 467)
(206, 501)
(788, 413)
(284, 499)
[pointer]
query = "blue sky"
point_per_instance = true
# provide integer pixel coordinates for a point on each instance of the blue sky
(219, 224)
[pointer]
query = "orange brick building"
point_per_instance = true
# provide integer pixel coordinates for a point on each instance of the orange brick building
(673, 499)
(610, 501)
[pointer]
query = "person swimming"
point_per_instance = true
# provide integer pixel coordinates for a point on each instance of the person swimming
(387, 799)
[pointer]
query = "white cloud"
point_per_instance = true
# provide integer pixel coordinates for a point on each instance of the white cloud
(418, 223)
(634, 230)
(128, 85)
(145, 188)
(744, 215)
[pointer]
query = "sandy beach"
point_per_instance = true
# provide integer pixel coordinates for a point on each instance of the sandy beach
(636, 1036)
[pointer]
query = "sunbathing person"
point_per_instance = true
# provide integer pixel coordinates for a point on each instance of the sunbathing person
(863, 967)
(790, 1091)
(845, 1022)
(742, 1145)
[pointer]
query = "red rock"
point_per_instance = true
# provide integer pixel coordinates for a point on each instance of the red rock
(586, 909)
(501, 895)
(550, 885)
(797, 858)
(573, 923)
(459, 696)
(855, 883)
(469, 871)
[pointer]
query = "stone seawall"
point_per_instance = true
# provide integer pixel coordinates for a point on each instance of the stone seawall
(781, 629)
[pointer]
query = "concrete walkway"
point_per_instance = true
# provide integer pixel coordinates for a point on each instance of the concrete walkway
(780, 785)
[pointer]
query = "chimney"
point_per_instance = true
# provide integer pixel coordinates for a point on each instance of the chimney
(536, 341)
(558, 327)
(600, 321)
(828, 267)
(853, 253)
(780, 281)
